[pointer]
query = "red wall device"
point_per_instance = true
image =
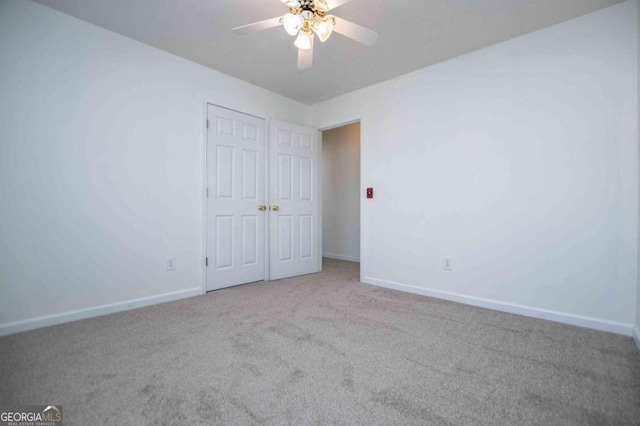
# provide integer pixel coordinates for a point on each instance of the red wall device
(369, 192)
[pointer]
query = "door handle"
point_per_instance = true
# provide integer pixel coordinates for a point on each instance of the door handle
(262, 208)
(275, 208)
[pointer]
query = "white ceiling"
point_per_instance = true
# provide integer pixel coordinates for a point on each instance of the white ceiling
(413, 35)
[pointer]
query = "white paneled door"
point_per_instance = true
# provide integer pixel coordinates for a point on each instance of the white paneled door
(294, 245)
(236, 212)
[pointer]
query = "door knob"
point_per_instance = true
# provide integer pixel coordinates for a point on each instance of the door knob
(275, 208)
(262, 208)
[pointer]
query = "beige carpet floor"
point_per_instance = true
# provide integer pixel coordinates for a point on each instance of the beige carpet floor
(322, 349)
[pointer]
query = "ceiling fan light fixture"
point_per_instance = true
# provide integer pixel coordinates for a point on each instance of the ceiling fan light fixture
(304, 40)
(307, 18)
(323, 29)
(292, 23)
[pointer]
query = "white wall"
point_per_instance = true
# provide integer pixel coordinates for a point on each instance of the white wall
(101, 166)
(519, 162)
(341, 193)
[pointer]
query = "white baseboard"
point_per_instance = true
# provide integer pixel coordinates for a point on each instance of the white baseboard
(588, 322)
(341, 257)
(636, 336)
(45, 321)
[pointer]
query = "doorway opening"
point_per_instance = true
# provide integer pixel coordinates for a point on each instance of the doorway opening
(341, 193)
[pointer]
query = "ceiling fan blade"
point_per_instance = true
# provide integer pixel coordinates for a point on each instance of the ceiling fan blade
(305, 57)
(258, 26)
(355, 31)
(335, 3)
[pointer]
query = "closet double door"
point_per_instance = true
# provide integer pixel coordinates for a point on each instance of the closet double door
(262, 200)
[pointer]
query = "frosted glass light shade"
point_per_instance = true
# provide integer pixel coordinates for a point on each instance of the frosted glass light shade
(323, 29)
(321, 5)
(292, 23)
(303, 41)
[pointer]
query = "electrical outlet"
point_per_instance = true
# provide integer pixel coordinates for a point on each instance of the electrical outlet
(447, 264)
(171, 264)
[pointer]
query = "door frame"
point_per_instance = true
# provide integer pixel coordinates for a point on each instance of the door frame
(357, 119)
(204, 181)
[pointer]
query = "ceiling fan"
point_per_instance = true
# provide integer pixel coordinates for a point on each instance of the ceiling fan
(306, 17)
